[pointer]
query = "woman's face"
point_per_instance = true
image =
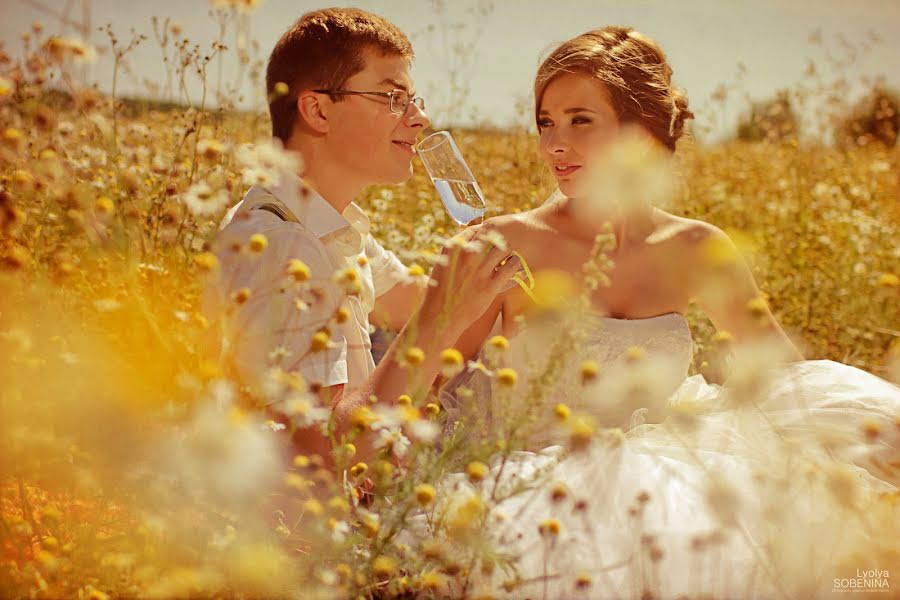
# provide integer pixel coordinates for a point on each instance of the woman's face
(576, 122)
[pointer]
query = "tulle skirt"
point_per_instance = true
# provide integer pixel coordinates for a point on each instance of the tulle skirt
(785, 492)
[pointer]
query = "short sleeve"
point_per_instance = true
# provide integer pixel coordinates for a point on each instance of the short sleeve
(387, 269)
(274, 325)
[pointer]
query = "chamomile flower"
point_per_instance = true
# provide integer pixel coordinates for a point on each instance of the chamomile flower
(201, 199)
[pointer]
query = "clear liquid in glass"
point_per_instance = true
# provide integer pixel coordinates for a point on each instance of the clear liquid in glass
(463, 199)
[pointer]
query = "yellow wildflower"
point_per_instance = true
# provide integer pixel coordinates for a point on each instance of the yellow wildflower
(258, 242)
(433, 581)
(476, 471)
(872, 430)
(414, 356)
(23, 178)
(465, 516)
(589, 371)
(722, 338)
(371, 524)
(550, 527)
(499, 342)
(338, 505)
(451, 361)
(384, 469)
(362, 417)
(241, 296)
(12, 135)
(293, 480)
(314, 507)
(298, 270)
(433, 549)
(206, 261)
(581, 432)
(888, 280)
(344, 571)
(210, 149)
(320, 341)
(562, 411)
(105, 205)
(384, 566)
(558, 492)
(719, 251)
(281, 89)
(757, 307)
(507, 377)
(634, 354)
(425, 494)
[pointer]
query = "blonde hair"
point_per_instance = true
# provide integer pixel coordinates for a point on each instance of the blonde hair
(635, 72)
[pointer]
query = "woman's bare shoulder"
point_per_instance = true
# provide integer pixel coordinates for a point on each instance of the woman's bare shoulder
(517, 226)
(682, 230)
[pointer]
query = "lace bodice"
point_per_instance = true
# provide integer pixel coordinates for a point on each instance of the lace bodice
(665, 336)
(640, 363)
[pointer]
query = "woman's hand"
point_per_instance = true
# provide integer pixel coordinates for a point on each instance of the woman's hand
(469, 275)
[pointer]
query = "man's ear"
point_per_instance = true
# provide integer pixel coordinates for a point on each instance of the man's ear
(313, 111)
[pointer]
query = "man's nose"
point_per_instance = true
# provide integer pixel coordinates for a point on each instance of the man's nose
(416, 117)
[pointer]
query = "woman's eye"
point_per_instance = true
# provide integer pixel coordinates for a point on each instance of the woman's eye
(544, 123)
(580, 120)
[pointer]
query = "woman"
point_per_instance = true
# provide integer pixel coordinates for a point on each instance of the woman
(737, 491)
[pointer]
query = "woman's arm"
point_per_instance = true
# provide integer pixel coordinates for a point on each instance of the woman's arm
(724, 288)
(470, 342)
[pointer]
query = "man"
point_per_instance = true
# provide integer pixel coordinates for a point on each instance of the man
(299, 271)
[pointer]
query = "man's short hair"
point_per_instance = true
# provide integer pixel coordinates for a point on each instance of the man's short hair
(322, 50)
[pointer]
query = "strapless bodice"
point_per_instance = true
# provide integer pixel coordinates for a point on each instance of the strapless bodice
(639, 363)
(608, 340)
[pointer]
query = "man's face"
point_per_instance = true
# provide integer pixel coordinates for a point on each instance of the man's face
(365, 136)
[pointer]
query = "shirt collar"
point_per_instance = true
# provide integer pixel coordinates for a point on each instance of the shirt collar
(314, 212)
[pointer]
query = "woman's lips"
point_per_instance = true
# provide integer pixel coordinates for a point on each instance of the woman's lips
(565, 170)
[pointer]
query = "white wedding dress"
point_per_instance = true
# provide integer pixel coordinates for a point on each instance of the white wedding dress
(771, 488)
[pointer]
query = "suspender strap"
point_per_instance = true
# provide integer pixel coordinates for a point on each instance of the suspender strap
(277, 209)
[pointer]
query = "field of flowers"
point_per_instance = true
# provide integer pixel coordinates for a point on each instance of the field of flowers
(128, 464)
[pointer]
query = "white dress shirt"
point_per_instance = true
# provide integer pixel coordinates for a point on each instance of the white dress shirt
(275, 325)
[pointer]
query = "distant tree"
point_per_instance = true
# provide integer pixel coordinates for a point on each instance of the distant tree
(874, 119)
(771, 120)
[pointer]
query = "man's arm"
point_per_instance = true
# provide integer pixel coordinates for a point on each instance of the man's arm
(395, 307)
(465, 286)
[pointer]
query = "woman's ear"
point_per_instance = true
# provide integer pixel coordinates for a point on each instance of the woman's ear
(312, 109)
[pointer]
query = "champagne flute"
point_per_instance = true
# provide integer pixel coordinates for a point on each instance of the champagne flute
(451, 176)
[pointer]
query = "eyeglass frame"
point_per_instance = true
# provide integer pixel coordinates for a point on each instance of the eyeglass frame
(418, 100)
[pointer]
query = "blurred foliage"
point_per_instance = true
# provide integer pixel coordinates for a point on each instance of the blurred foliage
(129, 466)
(770, 120)
(874, 119)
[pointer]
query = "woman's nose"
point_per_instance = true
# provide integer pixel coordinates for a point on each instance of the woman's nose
(555, 142)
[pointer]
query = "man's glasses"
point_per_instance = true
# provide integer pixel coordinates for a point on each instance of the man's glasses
(400, 99)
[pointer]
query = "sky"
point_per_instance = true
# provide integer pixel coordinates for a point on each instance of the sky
(475, 59)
